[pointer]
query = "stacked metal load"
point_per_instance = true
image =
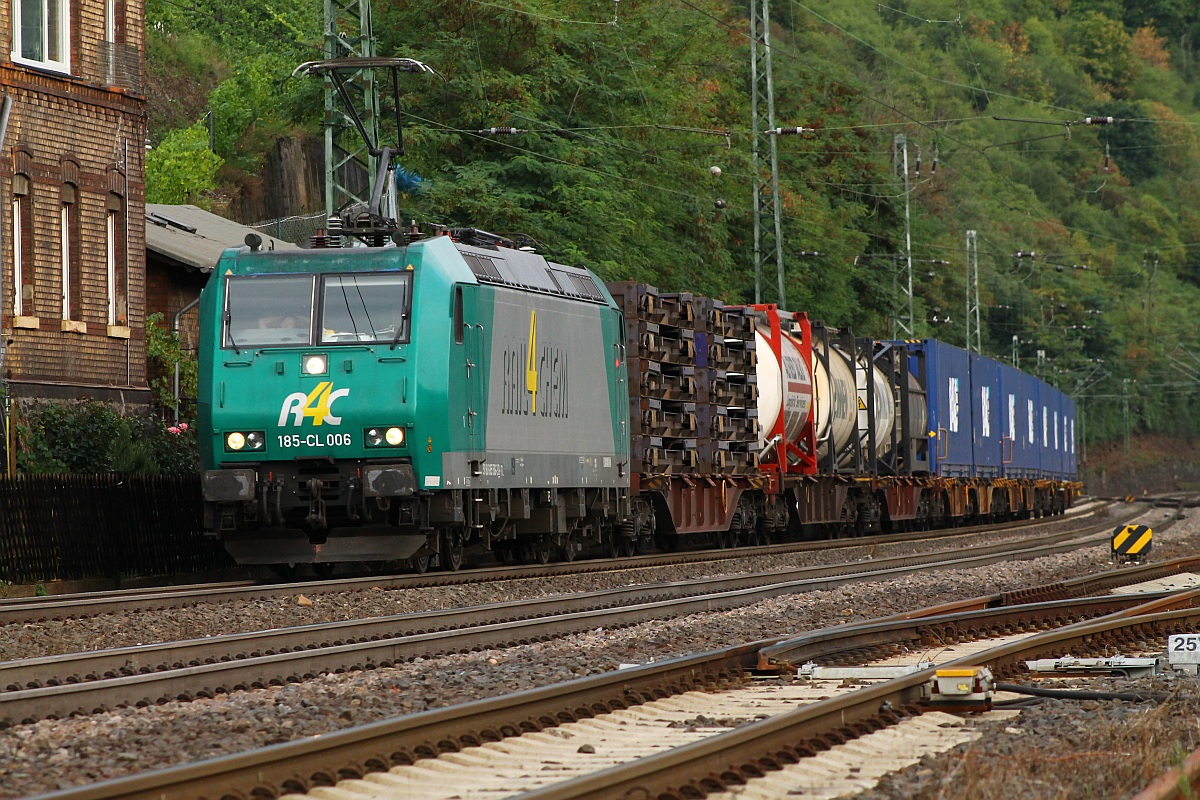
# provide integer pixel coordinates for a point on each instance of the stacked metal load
(693, 405)
(730, 377)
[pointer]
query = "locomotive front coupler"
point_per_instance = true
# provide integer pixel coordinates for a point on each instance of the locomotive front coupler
(270, 501)
(316, 522)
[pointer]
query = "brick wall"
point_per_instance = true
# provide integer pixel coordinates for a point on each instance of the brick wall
(86, 131)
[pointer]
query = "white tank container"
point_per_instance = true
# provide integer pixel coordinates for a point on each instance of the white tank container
(785, 385)
(835, 406)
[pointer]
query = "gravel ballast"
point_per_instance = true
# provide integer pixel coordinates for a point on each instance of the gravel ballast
(57, 754)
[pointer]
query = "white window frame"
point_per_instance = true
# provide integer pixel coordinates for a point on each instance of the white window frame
(65, 237)
(111, 256)
(63, 43)
(17, 246)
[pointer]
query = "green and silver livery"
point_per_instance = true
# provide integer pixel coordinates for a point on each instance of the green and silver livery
(410, 403)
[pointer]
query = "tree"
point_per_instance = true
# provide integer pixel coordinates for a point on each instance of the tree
(181, 168)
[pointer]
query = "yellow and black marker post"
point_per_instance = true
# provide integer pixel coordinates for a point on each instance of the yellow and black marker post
(1131, 542)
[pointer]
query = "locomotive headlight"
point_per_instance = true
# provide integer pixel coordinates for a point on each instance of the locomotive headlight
(392, 436)
(236, 441)
(316, 364)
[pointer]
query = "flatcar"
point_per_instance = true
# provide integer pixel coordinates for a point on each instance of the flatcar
(455, 394)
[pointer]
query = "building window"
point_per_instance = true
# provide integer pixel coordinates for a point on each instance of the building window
(18, 272)
(22, 244)
(42, 33)
(72, 294)
(115, 258)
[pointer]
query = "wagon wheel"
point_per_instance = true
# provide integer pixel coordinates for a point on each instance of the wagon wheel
(420, 564)
(849, 518)
(452, 549)
(541, 550)
(630, 546)
(612, 544)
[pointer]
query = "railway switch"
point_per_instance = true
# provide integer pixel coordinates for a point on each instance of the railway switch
(960, 689)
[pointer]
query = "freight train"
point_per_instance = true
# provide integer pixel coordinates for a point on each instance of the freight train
(455, 394)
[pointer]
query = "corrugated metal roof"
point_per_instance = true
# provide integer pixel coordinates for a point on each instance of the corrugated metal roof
(193, 237)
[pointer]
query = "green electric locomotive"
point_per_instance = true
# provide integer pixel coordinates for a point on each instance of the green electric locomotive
(411, 404)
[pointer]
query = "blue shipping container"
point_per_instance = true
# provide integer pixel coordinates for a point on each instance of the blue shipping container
(1021, 456)
(987, 432)
(947, 384)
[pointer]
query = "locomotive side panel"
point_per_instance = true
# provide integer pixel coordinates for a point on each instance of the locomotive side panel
(549, 417)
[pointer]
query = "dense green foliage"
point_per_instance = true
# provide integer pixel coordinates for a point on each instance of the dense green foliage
(89, 437)
(165, 355)
(181, 168)
(626, 116)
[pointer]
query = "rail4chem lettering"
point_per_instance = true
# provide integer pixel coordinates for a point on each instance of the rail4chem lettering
(317, 405)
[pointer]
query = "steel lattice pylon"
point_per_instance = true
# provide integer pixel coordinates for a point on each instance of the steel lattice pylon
(350, 168)
(768, 224)
(974, 330)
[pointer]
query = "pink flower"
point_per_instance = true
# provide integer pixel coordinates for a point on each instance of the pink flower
(173, 429)
(183, 426)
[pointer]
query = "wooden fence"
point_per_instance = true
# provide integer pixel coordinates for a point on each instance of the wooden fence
(69, 527)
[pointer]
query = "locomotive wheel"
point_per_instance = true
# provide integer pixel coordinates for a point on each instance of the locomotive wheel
(420, 564)
(508, 552)
(285, 572)
(570, 548)
(629, 547)
(452, 550)
(541, 550)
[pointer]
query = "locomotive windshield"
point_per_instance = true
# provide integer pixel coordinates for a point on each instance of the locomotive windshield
(365, 307)
(277, 310)
(268, 311)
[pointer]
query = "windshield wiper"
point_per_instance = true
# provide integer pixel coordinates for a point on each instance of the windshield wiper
(229, 331)
(399, 332)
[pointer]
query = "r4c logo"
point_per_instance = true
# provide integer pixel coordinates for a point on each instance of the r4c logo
(316, 404)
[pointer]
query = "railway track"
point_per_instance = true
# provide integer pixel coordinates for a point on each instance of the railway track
(733, 713)
(83, 683)
(35, 609)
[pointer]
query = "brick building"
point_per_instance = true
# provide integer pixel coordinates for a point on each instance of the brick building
(72, 198)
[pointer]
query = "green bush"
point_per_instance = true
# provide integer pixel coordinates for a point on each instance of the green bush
(88, 436)
(164, 353)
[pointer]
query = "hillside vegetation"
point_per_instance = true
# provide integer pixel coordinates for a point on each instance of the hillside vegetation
(629, 104)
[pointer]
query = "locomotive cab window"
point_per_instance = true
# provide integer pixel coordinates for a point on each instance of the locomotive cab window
(268, 311)
(365, 307)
